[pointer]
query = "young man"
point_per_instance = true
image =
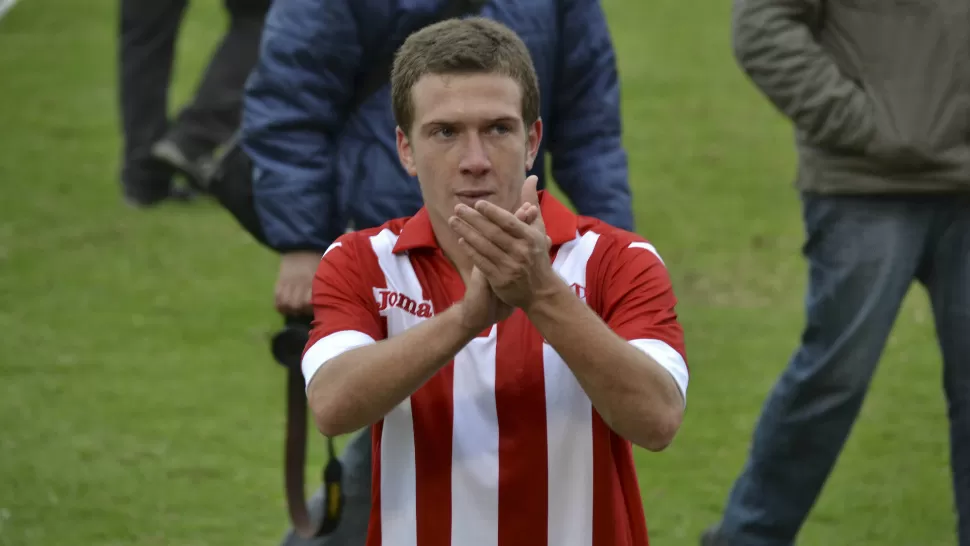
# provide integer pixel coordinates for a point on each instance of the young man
(507, 351)
(321, 142)
(878, 95)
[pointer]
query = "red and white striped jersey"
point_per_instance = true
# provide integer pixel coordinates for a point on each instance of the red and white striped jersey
(501, 447)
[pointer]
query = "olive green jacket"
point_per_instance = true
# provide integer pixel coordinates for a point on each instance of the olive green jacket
(878, 91)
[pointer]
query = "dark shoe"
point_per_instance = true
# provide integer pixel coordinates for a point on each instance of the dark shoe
(191, 166)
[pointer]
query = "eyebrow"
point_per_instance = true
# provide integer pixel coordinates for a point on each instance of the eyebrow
(442, 122)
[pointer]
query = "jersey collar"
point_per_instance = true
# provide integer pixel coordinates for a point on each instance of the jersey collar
(561, 225)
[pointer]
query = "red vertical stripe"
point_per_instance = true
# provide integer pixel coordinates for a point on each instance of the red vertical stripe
(604, 483)
(374, 526)
(431, 408)
(521, 408)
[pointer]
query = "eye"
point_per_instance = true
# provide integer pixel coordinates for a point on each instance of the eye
(500, 129)
(442, 132)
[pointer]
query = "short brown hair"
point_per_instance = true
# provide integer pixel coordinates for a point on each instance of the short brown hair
(462, 46)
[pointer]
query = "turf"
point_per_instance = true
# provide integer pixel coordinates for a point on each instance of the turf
(138, 403)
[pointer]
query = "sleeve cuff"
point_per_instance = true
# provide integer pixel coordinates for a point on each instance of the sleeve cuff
(669, 358)
(330, 347)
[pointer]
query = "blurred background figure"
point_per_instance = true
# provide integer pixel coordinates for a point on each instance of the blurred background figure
(321, 138)
(878, 96)
(154, 147)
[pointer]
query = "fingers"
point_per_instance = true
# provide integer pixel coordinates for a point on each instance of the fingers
(490, 229)
(487, 267)
(291, 299)
(495, 215)
(527, 213)
(474, 238)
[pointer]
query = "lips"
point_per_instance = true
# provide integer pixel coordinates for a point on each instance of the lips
(473, 194)
(470, 197)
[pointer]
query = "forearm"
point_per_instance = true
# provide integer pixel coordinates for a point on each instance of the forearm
(634, 395)
(778, 52)
(360, 386)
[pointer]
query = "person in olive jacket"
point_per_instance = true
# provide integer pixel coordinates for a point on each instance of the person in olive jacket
(878, 94)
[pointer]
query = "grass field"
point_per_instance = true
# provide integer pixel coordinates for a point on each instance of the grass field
(138, 402)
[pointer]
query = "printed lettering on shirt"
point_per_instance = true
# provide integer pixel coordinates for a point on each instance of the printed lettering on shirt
(390, 299)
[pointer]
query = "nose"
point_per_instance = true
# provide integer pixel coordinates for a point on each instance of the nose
(474, 159)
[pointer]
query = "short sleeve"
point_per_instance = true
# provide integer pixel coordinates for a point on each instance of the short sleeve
(638, 303)
(344, 313)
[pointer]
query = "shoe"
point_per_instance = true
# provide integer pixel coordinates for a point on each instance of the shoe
(192, 168)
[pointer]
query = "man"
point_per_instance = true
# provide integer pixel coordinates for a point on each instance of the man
(506, 361)
(154, 148)
(879, 94)
(325, 157)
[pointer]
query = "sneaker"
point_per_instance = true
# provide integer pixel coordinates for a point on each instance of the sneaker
(193, 169)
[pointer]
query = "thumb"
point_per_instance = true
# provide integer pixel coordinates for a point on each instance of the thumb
(529, 192)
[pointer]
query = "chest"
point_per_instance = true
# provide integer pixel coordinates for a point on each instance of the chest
(509, 363)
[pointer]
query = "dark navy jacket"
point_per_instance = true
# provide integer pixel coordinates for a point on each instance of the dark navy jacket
(318, 166)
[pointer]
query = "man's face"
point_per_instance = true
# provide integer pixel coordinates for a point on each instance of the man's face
(468, 141)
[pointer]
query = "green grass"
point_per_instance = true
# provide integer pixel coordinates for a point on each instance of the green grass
(138, 402)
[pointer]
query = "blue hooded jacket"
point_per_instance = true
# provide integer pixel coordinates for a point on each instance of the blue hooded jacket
(319, 166)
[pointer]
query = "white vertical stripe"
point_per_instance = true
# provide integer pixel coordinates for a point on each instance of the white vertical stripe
(474, 465)
(399, 515)
(398, 475)
(569, 422)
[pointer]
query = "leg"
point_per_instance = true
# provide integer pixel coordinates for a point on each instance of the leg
(147, 46)
(948, 283)
(862, 255)
(352, 530)
(214, 114)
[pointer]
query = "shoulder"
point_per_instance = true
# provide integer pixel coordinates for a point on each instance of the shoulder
(616, 243)
(360, 244)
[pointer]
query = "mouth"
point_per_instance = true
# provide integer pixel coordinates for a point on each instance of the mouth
(470, 197)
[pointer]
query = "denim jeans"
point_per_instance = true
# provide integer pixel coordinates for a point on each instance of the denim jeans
(863, 254)
(352, 531)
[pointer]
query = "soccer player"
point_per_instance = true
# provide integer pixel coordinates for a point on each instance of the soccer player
(507, 351)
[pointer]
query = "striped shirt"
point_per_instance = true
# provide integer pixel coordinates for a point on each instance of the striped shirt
(501, 447)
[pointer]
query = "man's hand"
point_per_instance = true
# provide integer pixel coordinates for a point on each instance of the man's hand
(294, 284)
(511, 251)
(481, 306)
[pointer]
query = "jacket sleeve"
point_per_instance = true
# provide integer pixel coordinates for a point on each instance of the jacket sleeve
(295, 103)
(775, 46)
(589, 162)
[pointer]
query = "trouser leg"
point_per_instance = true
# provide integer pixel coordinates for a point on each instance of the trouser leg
(947, 280)
(215, 111)
(862, 254)
(148, 29)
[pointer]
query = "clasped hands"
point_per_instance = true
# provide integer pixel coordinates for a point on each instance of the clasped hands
(510, 253)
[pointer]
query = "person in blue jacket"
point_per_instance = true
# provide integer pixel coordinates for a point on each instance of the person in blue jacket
(321, 165)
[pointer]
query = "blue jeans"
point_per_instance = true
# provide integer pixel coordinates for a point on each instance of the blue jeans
(352, 531)
(863, 254)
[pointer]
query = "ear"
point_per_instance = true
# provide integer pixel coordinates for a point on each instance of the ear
(405, 152)
(534, 137)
